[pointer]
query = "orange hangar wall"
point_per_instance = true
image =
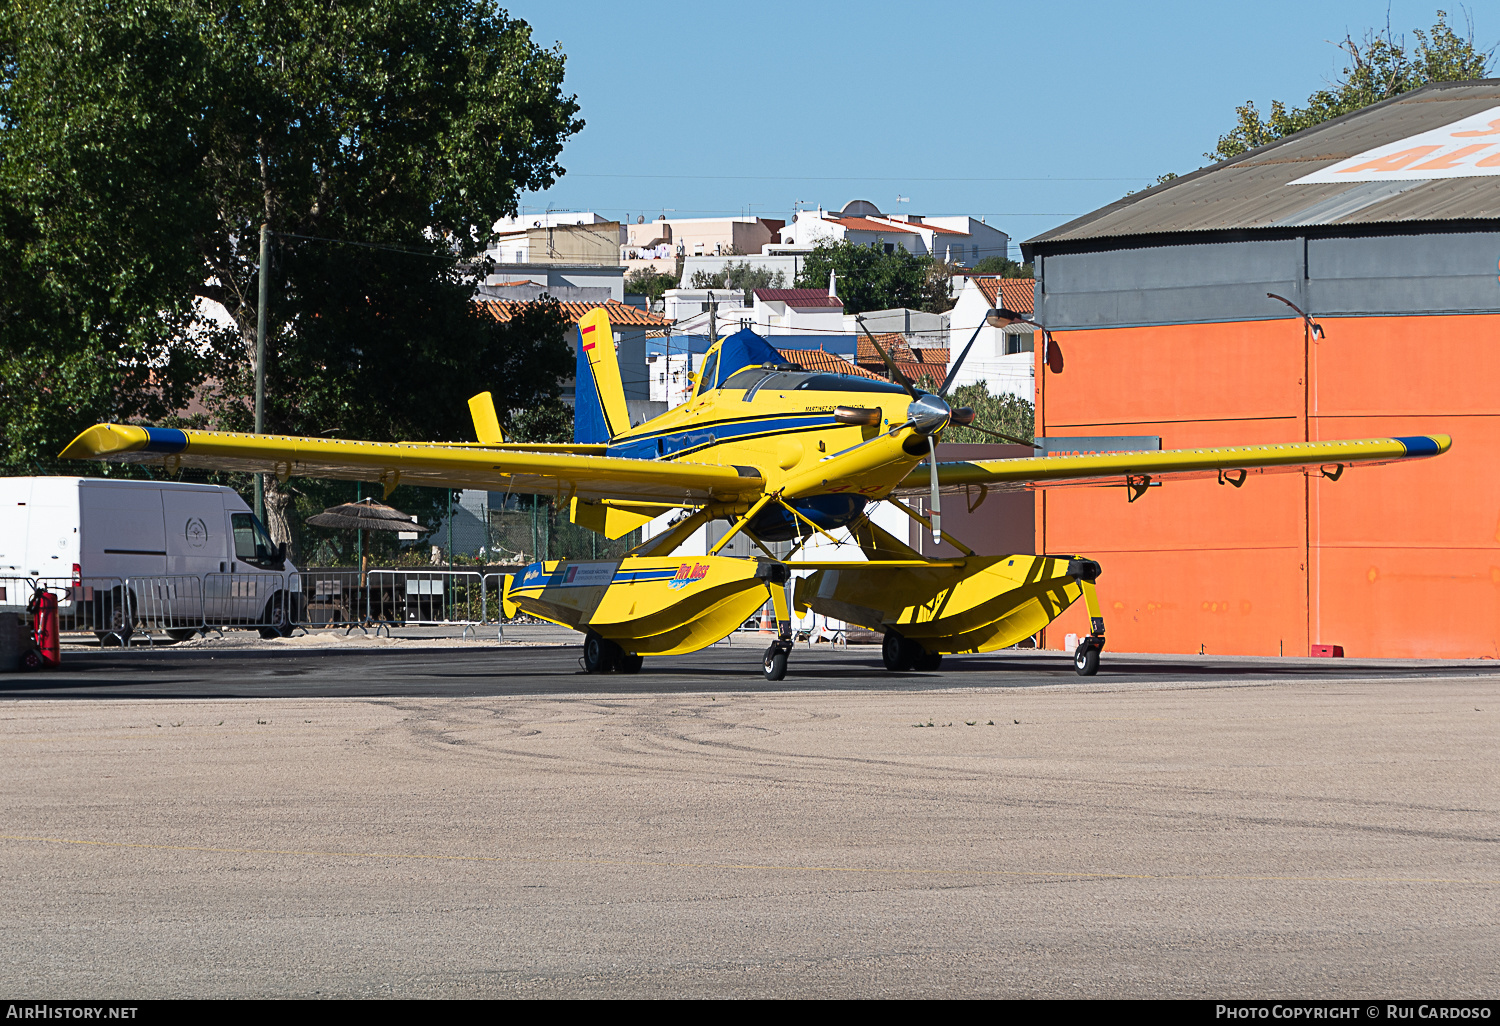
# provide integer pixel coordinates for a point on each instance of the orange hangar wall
(1181, 341)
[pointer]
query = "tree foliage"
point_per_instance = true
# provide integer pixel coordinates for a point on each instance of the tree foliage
(141, 148)
(1008, 414)
(1003, 268)
(740, 277)
(1381, 66)
(869, 278)
(651, 283)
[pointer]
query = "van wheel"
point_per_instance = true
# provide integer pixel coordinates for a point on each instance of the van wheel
(182, 633)
(278, 621)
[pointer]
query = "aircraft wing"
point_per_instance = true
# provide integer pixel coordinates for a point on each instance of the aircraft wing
(1139, 469)
(495, 468)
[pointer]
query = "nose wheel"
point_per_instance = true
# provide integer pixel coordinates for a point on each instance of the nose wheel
(775, 661)
(1086, 657)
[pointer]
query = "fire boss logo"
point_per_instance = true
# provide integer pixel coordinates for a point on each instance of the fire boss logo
(688, 573)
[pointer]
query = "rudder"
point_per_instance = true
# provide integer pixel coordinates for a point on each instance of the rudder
(599, 412)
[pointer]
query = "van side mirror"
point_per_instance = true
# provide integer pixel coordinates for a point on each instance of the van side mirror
(281, 552)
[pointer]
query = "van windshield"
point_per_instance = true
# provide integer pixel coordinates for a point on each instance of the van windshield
(251, 542)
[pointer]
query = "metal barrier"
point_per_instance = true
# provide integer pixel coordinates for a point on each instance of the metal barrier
(94, 605)
(334, 598)
(261, 600)
(426, 598)
(125, 610)
(170, 603)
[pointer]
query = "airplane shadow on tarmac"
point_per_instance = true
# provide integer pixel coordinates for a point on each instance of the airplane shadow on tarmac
(455, 672)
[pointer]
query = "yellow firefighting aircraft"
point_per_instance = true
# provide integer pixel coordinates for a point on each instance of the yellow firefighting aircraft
(780, 453)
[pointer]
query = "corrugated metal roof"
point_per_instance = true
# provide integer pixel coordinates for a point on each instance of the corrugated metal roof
(1253, 190)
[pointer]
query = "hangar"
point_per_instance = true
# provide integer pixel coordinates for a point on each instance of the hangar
(1383, 227)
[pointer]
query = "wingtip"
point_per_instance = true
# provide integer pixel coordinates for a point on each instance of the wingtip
(1419, 446)
(105, 440)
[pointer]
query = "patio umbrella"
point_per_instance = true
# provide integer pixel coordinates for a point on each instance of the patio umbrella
(364, 515)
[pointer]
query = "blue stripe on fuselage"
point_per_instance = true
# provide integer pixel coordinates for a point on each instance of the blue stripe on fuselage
(682, 442)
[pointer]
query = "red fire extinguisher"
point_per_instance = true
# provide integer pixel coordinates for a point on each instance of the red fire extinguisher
(43, 610)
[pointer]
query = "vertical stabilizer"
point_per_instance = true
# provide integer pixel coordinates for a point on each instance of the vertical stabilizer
(599, 413)
(486, 421)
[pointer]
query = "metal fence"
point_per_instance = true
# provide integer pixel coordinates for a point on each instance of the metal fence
(136, 610)
(85, 604)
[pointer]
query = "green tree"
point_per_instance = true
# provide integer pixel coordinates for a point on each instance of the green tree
(144, 146)
(1380, 66)
(742, 277)
(872, 279)
(651, 283)
(1008, 414)
(95, 288)
(1003, 268)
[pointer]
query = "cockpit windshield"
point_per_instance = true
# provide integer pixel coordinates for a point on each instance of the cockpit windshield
(758, 378)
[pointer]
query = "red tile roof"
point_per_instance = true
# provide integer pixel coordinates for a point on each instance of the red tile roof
(825, 363)
(934, 228)
(621, 314)
(864, 224)
(894, 343)
(914, 363)
(1018, 294)
(800, 298)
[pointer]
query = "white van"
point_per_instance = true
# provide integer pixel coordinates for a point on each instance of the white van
(178, 556)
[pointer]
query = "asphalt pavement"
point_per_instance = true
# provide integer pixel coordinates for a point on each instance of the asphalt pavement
(423, 817)
(546, 660)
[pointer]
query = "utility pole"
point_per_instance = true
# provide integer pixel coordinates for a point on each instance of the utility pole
(260, 361)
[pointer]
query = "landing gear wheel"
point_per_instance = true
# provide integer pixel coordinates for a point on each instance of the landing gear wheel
(775, 664)
(1086, 660)
(927, 662)
(600, 655)
(899, 654)
(31, 659)
(630, 663)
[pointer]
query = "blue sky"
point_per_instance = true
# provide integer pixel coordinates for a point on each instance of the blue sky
(1029, 114)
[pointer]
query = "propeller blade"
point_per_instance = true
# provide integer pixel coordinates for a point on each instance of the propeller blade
(997, 434)
(936, 513)
(896, 375)
(993, 318)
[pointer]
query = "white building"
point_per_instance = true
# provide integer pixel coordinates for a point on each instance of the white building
(957, 239)
(797, 312)
(1001, 357)
(672, 373)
